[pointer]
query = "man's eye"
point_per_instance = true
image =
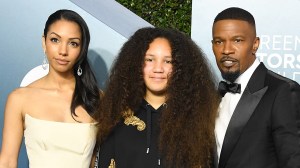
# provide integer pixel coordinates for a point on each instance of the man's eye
(217, 42)
(238, 40)
(148, 59)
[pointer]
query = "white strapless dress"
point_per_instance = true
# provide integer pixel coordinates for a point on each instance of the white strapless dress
(51, 144)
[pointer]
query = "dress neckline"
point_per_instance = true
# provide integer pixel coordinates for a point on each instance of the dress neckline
(58, 122)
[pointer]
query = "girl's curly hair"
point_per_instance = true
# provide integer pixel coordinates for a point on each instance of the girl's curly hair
(187, 124)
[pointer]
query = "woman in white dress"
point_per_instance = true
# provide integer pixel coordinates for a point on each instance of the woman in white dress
(55, 113)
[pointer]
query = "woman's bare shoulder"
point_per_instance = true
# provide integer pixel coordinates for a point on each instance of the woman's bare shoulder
(24, 92)
(19, 94)
(37, 84)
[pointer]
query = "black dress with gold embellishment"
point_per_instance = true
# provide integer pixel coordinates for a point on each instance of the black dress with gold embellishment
(130, 147)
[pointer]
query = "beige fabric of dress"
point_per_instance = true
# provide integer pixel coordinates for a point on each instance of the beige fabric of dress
(51, 144)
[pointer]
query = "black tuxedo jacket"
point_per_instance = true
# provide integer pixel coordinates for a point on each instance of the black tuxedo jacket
(264, 131)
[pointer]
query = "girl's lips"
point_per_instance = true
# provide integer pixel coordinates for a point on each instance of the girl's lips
(158, 78)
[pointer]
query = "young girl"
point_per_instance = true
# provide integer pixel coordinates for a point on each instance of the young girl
(55, 112)
(160, 104)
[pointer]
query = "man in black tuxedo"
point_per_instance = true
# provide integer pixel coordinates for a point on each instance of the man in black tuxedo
(258, 125)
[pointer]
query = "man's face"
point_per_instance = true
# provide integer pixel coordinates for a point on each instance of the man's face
(234, 45)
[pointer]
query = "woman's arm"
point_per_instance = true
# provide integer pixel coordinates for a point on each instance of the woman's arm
(95, 157)
(12, 131)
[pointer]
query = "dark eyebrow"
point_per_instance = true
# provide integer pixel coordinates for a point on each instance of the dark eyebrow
(238, 36)
(55, 34)
(151, 55)
(216, 37)
(70, 38)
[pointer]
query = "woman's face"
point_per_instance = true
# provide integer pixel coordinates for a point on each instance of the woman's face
(157, 66)
(62, 45)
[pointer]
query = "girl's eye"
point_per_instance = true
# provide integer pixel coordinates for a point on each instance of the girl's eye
(168, 61)
(148, 59)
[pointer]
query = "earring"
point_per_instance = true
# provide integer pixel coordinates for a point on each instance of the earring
(79, 71)
(45, 62)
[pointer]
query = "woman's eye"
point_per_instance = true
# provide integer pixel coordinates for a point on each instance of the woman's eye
(74, 44)
(55, 40)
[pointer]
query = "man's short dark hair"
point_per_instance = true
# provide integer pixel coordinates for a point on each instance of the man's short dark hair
(235, 13)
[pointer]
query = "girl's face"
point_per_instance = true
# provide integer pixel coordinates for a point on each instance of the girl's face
(62, 45)
(157, 66)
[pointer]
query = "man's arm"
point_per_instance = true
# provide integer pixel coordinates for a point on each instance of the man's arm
(285, 125)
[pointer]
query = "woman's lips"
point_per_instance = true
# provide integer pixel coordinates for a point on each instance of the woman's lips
(61, 62)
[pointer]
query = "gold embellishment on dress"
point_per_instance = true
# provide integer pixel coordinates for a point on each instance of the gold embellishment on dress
(133, 120)
(112, 164)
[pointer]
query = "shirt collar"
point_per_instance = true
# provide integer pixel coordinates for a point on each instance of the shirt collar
(244, 78)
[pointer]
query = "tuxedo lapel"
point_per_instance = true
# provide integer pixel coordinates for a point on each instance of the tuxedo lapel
(252, 94)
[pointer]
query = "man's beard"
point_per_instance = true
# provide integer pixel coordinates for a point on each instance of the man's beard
(231, 76)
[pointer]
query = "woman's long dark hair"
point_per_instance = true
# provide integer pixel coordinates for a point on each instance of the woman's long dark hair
(187, 124)
(86, 93)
